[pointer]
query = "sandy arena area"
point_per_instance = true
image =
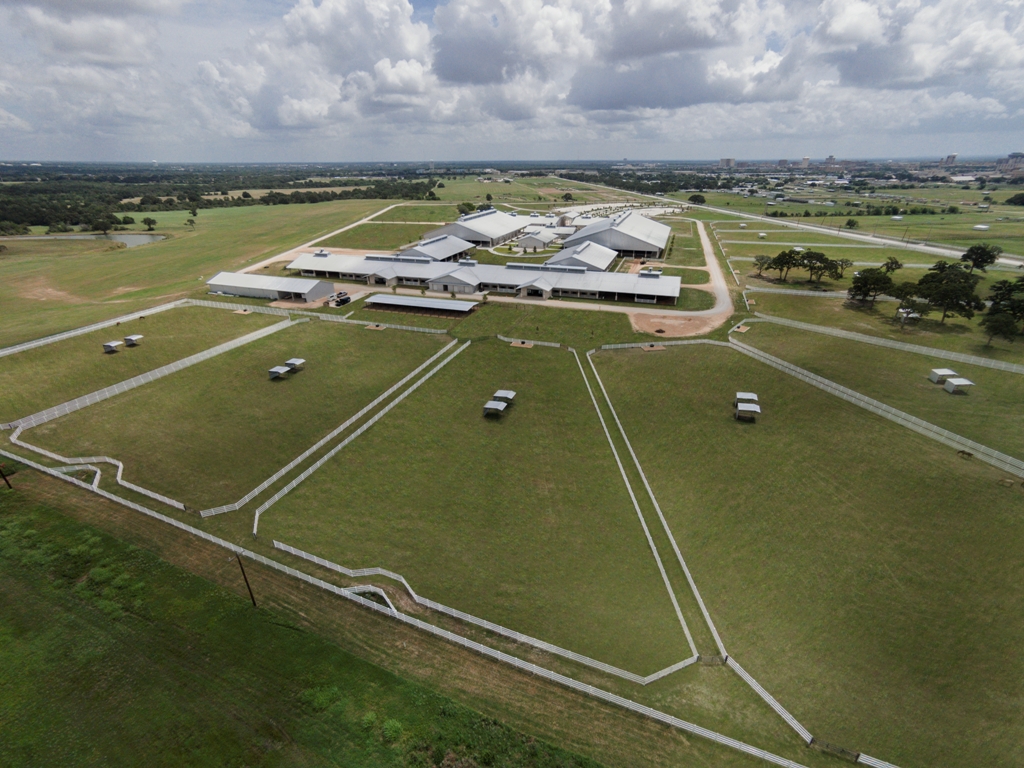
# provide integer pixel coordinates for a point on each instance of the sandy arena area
(675, 326)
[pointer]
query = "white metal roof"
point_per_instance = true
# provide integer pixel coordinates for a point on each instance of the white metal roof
(446, 305)
(748, 408)
(543, 235)
(134, 337)
(495, 405)
(504, 394)
(958, 382)
(564, 279)
(294, 362)
(944, 371)
(439, 248)
(491, 224)
(746, 396)
(588, 254)
(264, 282)
(626, 231)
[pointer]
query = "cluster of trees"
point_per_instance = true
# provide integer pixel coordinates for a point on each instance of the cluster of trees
(62, 202)
(950, 288)
(817, 264)
(1017, 199)
(869, 210)
(652, 183)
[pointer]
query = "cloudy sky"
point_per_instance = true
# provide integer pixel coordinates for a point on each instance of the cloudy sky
(379, 80)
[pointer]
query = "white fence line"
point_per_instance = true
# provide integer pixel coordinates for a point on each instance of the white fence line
(87, 461)
(874, 762)
(327, 456)
(995, 458)
(661, 516)
(42, 417)
(528, 341)
(320, 443)
(636, 507)
(357, 573)
(88, 328)
(304, 313)
(770, 700)
(463, 642)
(812, 294)
(983, 362)
(634, 345)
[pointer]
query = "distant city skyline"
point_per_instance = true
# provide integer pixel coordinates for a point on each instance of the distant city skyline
(529, 80)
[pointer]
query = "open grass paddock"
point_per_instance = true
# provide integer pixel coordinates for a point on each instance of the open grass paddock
(209, 434)
(379, 237)
(55, 373)
(865, 575)
(990, 413)
(522, 520)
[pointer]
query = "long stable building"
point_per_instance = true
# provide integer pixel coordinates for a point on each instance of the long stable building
(629, 234)
(266, 287)
(468, 276)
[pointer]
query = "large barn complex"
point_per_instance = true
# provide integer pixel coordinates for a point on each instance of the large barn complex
(469, 276)
(440, 248)
(589, 255)
(629, 234)
(486, 228)
(266, 287)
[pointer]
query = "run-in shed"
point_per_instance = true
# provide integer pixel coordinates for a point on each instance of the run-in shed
(111, 346)
(747, 412)
(494, 408)
(939, 375)
(278, 370)
(957, 385)
(133, 340)
(295, 364)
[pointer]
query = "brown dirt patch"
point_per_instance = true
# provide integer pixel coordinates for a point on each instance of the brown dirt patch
(675, 327)
(39, 289)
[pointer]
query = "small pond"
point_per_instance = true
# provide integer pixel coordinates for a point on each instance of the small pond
(130, 239)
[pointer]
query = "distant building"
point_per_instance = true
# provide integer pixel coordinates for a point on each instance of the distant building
(266, 287)
(805, 163)
(630, 234)
(1013, 164)
(486, 228)
(541, 238)
(783, 163)
(727, 162)
(950, 159)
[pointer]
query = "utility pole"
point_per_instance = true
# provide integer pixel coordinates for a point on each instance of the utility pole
(5, 477)
(246, 578)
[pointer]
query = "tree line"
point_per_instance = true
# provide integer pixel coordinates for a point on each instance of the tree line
(949, 288)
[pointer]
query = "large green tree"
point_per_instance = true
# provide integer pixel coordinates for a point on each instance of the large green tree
(1002, 325)
(785, 261)
(1007, 297)
(981, 256)
(869, 284)
(950, 288)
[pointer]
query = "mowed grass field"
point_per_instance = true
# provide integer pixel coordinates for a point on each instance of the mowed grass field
(55, 373)
(865, 575)
(990, 413)
(955, 335)
(379, 237)
(438, 213)
(523, 521)
(47, 286)
(209, 434)
(111, 656)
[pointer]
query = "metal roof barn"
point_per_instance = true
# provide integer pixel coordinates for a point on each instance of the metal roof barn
(487, 228)
(440, 248)
(133, 340)
(542, 238)
(589, 255)
(629, 233)
(415, 302)
(266, 287)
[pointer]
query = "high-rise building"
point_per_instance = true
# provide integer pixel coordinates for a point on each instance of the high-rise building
(727, 162)
(783, 163)
(805, 163)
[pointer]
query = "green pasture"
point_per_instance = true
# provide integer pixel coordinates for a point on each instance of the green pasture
(865, 575)
(379, 237)
(955, 335)
(55, 373)
(210, 433)
(48, 286)
(438, 213)
(689, 276)
(111, 656)
(582, 329)
(989, 414)
(522, 520)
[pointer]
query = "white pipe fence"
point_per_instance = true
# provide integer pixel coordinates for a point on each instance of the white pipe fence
(683, 343)
(661, 516)
(636, 507)
(944, 436)
(529, 341)
(304, 313)
(320, 443)
(89, 460)
(88, 328)
(770, 700)
(330, 454)
(358, 573)
(874, 762)
(983, 362)
(42, 417)
(463, 642)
